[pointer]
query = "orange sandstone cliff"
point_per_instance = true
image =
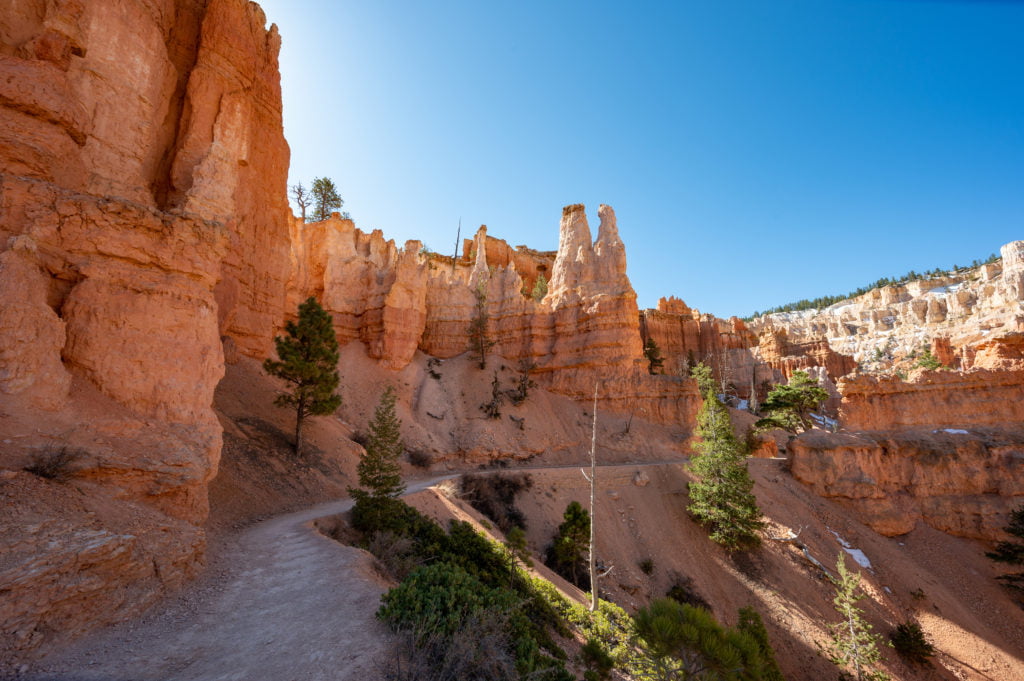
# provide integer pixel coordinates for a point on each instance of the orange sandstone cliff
(142, 170)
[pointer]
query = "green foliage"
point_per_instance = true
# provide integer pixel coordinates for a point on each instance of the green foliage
(652, 352)
(1012, 552)
(540, 288)
(825, 301)
(789, 406)
(853, 646)
(308, 360)
(597, 659)
(927, 360)
(910, 642)
(647, 566)
(705, 378)
(380, 473)
(750, 623)
(683, 642)
(722, 497)
(567, 553)
(325, 198)
(479, 339)
(504, 594)
(494, 495)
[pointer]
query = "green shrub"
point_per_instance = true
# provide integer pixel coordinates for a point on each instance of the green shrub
(647, 566)
(494, 495)
(910, 642)
(684, 591)
(597, 659)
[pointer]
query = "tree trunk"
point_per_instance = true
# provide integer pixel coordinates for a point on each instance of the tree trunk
(298, 432)
(593, 488)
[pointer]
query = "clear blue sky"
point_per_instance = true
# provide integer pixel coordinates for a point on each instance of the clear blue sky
(755, 152)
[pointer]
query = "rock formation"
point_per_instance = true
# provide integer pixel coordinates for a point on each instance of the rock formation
(957, 316)
(583, 333)
(143, 218)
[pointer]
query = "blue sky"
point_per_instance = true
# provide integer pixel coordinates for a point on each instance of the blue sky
(755, 152)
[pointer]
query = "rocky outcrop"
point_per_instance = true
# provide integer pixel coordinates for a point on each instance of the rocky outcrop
(749, 363)
(962, 313)
(583, 333)
(952, 399)
(961, 481)
(143, 219)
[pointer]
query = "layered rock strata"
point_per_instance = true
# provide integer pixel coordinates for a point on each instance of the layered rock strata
(959, 317)
(143, 218)
(582, 335)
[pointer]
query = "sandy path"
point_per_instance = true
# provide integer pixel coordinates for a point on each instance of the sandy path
(279, 601)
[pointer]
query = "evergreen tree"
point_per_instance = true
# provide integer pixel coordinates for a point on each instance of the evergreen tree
(540, 288)
(682, 642)
(722, 497)
(380, 474)
(308, 359)
(853, 645)
(325, 198)
(653, 354)
(566, 554)
(750, 623)
(479, 341)
(789, 406)
(927, 360)
(1012, 552)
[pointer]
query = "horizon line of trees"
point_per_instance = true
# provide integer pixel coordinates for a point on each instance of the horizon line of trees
(825, 301)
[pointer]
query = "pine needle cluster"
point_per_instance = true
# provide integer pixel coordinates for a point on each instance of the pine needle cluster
(380, 473)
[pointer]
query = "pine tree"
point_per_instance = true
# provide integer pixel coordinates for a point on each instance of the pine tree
(653, 354)
(1012, 552)
(325, 198)
(853, 645)
(308, 359)
(789, 406)
(573, 539)
(927, 360)
(750, 623)
(380, 474)
(540, 288)
(722, 497)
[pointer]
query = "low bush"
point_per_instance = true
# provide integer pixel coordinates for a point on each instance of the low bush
(54, 463)
(683, 590)
(494, 495)
(910, 642)
(647, 566)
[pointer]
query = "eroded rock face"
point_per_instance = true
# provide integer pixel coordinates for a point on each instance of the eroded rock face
(961, 481)
(143, 217)
(583, 333)
(963, 313)
(952, 399)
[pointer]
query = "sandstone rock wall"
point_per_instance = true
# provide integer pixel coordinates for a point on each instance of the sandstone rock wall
(963, 483)
(584, 333)
(965, 312)
(951, 399)
(143, 219)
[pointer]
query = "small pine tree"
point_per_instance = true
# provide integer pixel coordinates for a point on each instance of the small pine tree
(652, 352)
(750, 623)
(479, 341)
(789, 406)
(308, 359)
(1012, 552)
(325, 198)
(722, 497)
(380, 474)
(853, 645)
(540, 288)
(566, 554)
(928, 361)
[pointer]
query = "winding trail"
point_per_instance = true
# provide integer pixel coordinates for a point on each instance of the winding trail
(278, 602)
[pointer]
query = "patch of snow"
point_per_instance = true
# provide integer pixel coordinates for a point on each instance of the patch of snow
(953, 431)
(938, 289)
(887, 589)
(857, 555)
(743, 404)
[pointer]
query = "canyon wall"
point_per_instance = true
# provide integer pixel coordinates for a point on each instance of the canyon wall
(961, 318)
(143, 217)
(747, 362)
(583, 334)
